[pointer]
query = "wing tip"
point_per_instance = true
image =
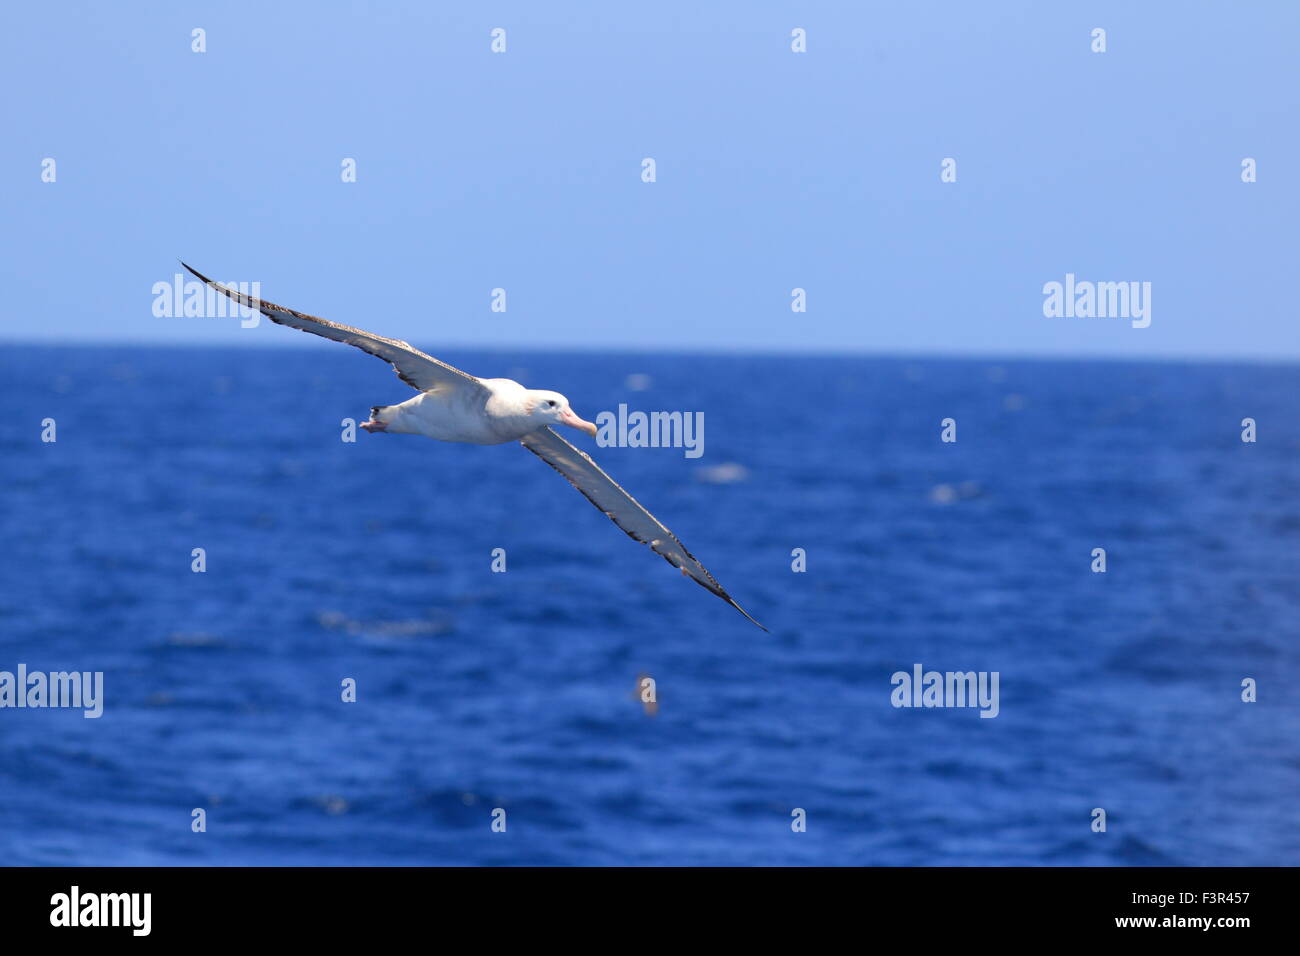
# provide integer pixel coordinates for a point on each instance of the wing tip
(192, 271)
(728, 599)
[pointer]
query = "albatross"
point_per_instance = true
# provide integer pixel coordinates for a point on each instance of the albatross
(455, 406)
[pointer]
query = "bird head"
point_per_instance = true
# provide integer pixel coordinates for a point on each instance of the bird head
(552, 408)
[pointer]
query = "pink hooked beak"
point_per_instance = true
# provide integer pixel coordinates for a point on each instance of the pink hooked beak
(573, 421)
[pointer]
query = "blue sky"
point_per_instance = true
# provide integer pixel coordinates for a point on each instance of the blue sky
(775, 170)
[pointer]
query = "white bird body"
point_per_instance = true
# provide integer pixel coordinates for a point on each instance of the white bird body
(462, 415)
(491, 411)
(453, 406)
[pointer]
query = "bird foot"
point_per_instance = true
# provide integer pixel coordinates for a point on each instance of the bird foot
(373, 426)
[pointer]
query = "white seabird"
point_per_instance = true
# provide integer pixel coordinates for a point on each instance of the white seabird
(458, 407)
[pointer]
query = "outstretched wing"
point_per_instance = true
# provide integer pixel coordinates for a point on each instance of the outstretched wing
(621, 508)
(420, 371)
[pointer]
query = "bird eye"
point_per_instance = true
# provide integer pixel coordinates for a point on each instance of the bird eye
(550, 404)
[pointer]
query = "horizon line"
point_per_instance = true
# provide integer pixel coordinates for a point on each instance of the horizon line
(1190, 358)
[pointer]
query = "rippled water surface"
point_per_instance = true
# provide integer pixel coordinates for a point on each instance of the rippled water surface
(372, 560)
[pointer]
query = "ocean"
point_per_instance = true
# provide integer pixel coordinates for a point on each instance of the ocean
(515, 696)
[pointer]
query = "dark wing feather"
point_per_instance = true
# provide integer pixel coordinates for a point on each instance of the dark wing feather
(422, 372)
(621, 508)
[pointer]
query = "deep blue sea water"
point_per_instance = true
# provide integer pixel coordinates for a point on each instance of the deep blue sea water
(476, 690)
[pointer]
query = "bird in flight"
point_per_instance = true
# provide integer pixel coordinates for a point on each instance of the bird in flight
(458, 407)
